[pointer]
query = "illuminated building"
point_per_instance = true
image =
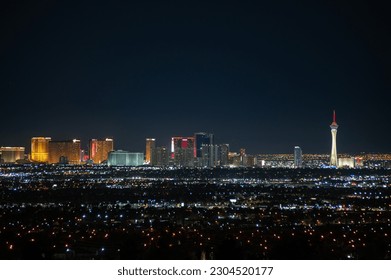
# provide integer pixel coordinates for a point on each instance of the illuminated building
(83, 156)
(347, 162)
(124, 158)
(182, 151)
(150, 145)
(209, 155)
(40, 149)
(242, 152)
(249, 160)
(214, 155)
(160, 156)
(224, 152)
(238, 159)
(100, 148)
(202, 138)
(65, 151)
(242, 156)
(233, 159)
(359, 161)
(333, 156)
(11, 154)
(298, 157)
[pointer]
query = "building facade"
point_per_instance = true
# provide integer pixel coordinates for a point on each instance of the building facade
(214, 155)
(67, 151)
(182, 151)
(298, 157)
(99, 149)
(40, 149)
(202, 138)
(210, 155)
(11, 154)
(160, 156)
(149, 147)
(349, 162)
(224, 152)
(124, 158)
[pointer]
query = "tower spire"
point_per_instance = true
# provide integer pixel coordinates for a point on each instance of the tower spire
(334, 119)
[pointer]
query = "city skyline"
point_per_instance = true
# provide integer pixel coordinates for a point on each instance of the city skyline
(195, 130)
(197, 150)
(260, 75)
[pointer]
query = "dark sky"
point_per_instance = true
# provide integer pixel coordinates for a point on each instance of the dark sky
(264, 75)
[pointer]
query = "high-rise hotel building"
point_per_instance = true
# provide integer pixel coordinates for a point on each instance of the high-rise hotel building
(298, 157)
(149, 148)
(202, 138)
(100, 149)
(124, 158)
(11, 154)
(40, 149)
(160, 156)
(65, 151)
(182, 151)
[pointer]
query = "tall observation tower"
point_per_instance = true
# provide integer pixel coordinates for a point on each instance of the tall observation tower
(334, 127)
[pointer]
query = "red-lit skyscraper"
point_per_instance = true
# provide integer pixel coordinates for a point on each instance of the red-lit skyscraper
(182, 150)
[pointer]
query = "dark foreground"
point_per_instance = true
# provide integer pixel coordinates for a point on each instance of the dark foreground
(81, 212)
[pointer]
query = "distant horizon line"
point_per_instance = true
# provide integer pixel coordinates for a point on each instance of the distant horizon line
(274, 153)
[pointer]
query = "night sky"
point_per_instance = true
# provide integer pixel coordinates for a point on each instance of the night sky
(263, 75)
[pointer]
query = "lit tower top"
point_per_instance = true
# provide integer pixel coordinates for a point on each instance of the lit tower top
(333, 156)
(334, 123)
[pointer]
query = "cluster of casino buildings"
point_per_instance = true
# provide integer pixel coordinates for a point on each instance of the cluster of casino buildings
(46, 150)
(198, 150)
(100, 151)
(195, 151)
